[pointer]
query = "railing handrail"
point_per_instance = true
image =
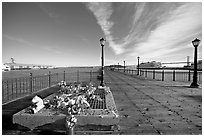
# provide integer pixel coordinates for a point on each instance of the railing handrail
(11, 87)
(162, 68)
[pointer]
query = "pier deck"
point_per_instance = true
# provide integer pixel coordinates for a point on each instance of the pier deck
(146, 107)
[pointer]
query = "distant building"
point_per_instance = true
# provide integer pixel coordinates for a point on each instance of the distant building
(6, 67)
(152, 64)
(199, 65)
(19, 66)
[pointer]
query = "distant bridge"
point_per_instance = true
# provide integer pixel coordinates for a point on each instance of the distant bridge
(176, 62)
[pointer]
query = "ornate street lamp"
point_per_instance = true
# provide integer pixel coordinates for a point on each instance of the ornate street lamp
(194, 84)
(102, 42)
(138, 65)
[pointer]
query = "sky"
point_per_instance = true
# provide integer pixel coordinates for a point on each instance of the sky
(68, 33)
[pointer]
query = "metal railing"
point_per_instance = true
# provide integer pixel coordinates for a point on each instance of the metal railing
(164, 74)
(18, 87)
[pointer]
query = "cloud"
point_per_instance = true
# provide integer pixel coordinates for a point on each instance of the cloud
(20, 40)
(174, 34)
(51, 49)
(157, 31)
(27, 43)
(102, 12)
(49, 12)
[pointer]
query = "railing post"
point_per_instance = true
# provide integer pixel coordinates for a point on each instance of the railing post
(162, 75)
(189, 75)
(91, 75)
(154, 74)
(7, 89)
(49, 78)
(16, 87)
(57, 77)
(146, 73)
(12, 88)
(20, 84)
(64, 76)
(77, 75)
(174, 75)
(31, 83)
(23, 85)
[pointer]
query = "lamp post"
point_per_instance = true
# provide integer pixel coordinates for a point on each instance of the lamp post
(124, 66)
(102, 42)
(194, 84)
(138, 58)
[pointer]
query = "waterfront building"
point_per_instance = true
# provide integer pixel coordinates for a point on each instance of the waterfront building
(152, 64)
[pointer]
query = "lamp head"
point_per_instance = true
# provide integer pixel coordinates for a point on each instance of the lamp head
(102, 41)
(196, 42)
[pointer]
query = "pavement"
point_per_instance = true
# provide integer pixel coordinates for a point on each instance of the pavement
(150, 107)
(145, 106)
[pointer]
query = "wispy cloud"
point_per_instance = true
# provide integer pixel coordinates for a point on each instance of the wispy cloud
(172, 34)
(51, 49)
(20, 40)
(47, 9)
(158, 30)
(27, 43)
(103, 12)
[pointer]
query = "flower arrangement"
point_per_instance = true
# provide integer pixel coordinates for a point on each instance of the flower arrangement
(72, 99)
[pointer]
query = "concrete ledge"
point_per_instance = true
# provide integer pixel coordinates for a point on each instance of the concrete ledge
(45, 117)
(9, 109)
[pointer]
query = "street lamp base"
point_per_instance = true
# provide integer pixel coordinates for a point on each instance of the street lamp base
(194, 85)
(101, 87)
(102, 84)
